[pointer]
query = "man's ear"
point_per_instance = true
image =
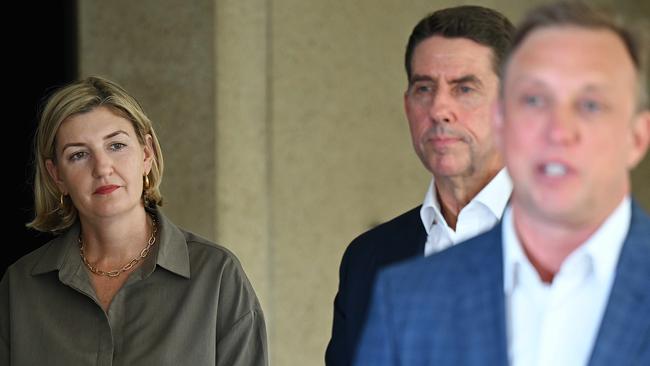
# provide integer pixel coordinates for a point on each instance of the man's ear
(53, 171)
(498, 122)
(640, 138)
(406, 109)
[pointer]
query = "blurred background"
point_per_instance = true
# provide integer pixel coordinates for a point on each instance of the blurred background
(281, 124)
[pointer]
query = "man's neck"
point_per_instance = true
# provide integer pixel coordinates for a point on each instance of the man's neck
(547, 243)
(454, 193)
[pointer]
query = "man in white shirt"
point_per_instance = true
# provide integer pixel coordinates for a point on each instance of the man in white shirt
(565, 280)
(451, 60)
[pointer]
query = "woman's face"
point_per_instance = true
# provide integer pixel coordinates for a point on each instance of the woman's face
(100, 163)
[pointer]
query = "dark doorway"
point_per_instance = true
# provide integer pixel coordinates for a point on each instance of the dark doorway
(41, 54)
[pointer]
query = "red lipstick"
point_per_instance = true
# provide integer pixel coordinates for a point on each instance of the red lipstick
(106, 189)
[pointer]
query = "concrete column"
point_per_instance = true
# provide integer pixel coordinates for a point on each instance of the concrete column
(242, 141)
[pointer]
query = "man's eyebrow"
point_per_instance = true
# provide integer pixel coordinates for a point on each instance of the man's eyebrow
(416, 78)
(594, 88)
(472, 79)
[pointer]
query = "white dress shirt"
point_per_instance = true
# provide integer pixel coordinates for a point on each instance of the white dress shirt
(557, 324)
(478, 216)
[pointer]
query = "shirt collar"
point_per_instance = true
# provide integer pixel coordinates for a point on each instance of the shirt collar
(603, 247)
(513, 255)
(59, 251)
(494, 196)
(62, 253)
(172, 252)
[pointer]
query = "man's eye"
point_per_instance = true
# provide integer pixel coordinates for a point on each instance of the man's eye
(464, 89)
(422, 89)
(533, 100)
(590, 106)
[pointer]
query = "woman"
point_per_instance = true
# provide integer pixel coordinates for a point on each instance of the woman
(121, 284)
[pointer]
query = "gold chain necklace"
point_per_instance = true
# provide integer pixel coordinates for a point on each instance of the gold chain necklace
(128, 266)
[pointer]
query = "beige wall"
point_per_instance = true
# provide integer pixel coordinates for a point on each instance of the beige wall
(283, 131)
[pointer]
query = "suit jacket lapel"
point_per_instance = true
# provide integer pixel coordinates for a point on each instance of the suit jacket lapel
(625, 327)
(490, 322)
(405, 243)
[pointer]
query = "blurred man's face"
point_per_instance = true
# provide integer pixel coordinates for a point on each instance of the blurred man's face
(448, 105)
(570, 131)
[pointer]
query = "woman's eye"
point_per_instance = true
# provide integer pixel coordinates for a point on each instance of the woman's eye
(78, 156)
(116, 146)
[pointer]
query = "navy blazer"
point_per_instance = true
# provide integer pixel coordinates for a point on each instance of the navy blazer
(448, 309)
(401, 238)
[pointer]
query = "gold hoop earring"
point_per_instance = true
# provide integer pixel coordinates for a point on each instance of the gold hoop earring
(146, 182)
(61, 203)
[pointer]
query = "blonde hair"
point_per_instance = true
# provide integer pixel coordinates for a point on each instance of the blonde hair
(76, 98)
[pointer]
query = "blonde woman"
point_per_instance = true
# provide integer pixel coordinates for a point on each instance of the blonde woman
(120, 284)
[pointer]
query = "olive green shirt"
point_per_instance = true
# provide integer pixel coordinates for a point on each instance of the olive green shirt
(189, 303)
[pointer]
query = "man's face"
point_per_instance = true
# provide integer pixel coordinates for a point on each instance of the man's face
(570, 131)
(448, 105)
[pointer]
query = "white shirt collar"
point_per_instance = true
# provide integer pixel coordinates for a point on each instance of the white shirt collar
(494, 196)
(603, 247)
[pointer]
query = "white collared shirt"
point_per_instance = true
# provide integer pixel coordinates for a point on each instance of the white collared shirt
(557, 324)
(478, 216)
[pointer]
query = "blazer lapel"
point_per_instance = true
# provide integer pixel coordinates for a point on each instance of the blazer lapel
(625, 329)
(404, 243)
(489, 330)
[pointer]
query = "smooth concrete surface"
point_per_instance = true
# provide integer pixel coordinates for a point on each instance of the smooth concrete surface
(162, 52)
(242, 140)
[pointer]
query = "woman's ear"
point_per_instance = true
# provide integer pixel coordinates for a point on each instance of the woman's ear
(54, 173)
(149, 155)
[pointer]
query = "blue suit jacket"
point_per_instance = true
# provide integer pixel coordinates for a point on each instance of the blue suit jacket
(401, 238)
(448, 309)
